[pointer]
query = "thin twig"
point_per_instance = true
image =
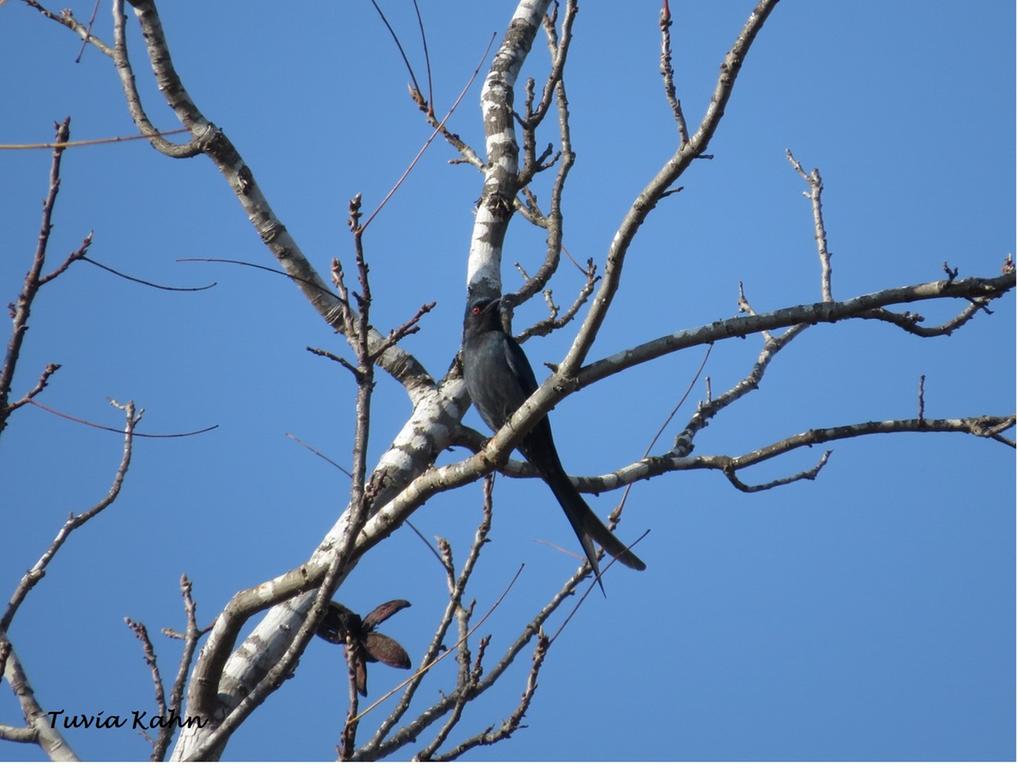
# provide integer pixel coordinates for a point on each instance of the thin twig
(558, 63)
(66, 18)
(378, 749)
(93, 425)
(36, 573)
(141, 632)
(21, 310)
(553, 222)
(815, 195)
(668, 74)
(348, 740)
(427, 57)
(910, 321)
(589, 589)
(318, 453)
(428, 659)
(745, 306)
(90, 142)
(406, 329)
(361, 498)
(645, 201)
(692, 383)
(463, 698)
(346, 472)
(335, 358)
(273, 270)
(809, 474)
(448, 651)
(88, 32)
(147, 282)
(708, 409)
(191, 635)
(617, 512)
(399, 45)
(74, 256)
(39, 386)
(554, 321)
(438, 129)
(513, 722)
(986, 427)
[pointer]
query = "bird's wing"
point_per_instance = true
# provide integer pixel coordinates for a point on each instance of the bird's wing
(518, 363)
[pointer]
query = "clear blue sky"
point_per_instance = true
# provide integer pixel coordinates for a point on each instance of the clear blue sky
(867, 615)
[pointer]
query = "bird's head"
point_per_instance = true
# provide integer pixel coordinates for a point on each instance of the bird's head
(483, 315)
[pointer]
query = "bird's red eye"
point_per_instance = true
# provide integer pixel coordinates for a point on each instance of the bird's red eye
(476, 310)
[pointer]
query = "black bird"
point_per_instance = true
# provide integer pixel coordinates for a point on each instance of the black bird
(499, 379)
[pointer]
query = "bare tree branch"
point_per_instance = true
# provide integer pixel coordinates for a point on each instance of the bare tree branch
(665, 177)
(40, 385)
(38, 571)
(22, 308)
(213, 142)
(552, 222)
(554, 321)
(66, 18)
(228, 682)
(410, 732)
(88, 32)
(439, 128)
(828, 312)
(668, 74)
(104, 428)
(342, 557)
(512, 723)
(978, 426)
(808, 474)
(408, 328)
(84, 142)
(453, 605)
(23, 735)
(428, 752)
(348, 739)
(141, 632)
(169, 83)
(46, 733)
(391, 514)
(815, 195)
(191, 635)
(148, 283)
(706, 410)
(501, 182)
(910, 321)
(75, 256)
(560, 51)
(678, 459)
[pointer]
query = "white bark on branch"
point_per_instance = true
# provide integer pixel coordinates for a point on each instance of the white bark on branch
(223, 676)
(46, 734)
(226, 674)
(973, 288)
(500, 175)
(214, 143)
(653, 466)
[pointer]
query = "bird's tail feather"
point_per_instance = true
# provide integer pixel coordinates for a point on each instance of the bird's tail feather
(589, 528)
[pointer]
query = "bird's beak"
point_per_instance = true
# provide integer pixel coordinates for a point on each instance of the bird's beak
(492, 305)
